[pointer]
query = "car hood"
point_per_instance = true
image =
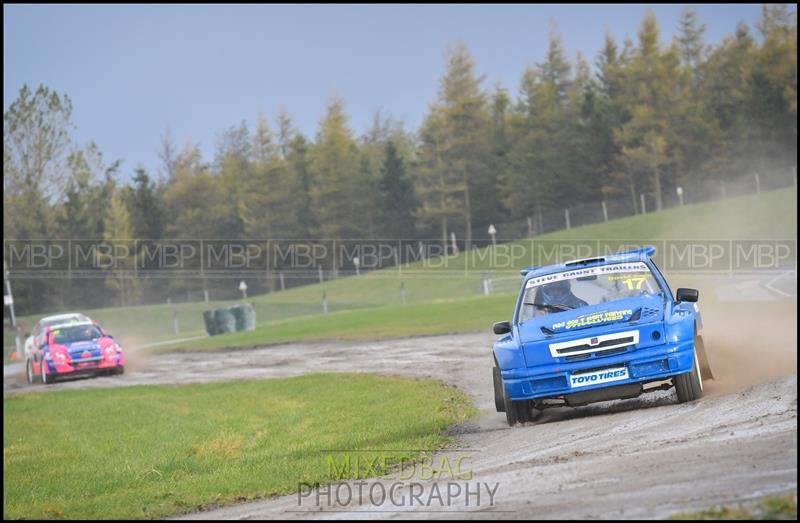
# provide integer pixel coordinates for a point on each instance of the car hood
(94, 346)
(643, 309)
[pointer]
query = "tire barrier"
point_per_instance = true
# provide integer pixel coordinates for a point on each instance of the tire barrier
(236, 318)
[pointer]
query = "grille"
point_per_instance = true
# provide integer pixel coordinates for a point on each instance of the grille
(600, 345)
(597, 345)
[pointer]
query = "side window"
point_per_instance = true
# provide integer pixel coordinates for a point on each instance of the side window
(661, 275)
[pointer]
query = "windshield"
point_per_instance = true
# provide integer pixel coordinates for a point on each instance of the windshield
(47, 322)
(78, 333)
(578, 288)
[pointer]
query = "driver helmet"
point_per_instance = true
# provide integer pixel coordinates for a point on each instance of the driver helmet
(556, 292)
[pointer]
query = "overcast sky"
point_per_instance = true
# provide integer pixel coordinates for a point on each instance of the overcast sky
(133, 71)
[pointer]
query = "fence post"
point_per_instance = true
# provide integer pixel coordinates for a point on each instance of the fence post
(641, 199)
(319, 271)
(453, 242)
(758, 183)
(402, 292)
(605, 211)
(283, 285)
(175, 321)
(486, 284)
(566, 216)
(324, 301)
(530, 227)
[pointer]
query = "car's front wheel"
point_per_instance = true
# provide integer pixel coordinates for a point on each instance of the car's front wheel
(689, 385)
(47, 380)
(29, 374)
(517, 411)
(499, 397)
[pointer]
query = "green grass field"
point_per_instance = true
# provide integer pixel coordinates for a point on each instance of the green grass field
(769, 508)
(158, 451)
(391, 321)
(768, 215)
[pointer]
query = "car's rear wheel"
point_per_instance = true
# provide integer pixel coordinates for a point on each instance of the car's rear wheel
(689, 385)
(499, 400)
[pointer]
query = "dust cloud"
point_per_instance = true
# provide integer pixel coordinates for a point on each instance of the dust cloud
(749, 342)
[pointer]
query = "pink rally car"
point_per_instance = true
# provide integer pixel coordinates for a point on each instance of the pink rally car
(74, 349)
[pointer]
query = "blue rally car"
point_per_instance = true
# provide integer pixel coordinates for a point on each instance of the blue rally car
(595, 330)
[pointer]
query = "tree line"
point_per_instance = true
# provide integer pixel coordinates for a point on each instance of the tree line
(645, 118)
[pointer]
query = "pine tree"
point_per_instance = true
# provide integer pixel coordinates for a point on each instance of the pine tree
(648, 140)
(439, 188)
(146, 207)
(463, 146)
(690, 41)
(397, 197)
(118, 233)
(335, 193)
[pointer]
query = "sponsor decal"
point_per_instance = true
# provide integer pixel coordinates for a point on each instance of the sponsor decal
(589, 271)
(593, 318)
(597, 377)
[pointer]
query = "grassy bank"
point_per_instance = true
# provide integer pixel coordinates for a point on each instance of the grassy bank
(768, 508)
(156, 451)
(393, 321)
(767, 215)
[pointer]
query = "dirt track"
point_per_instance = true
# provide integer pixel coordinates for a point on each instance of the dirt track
(647, 457)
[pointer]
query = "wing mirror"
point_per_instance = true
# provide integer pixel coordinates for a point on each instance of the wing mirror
(689, 295)
(501, 327)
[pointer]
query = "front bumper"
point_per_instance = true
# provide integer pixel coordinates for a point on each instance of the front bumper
(57, 368)
(644, 365)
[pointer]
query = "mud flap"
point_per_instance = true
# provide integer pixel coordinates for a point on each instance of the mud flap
(702, 357)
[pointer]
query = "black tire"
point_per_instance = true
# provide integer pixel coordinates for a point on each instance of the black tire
(499, 400)
(689, 385)
(517, 411)
(118, 370)
(46, 379)
(29, 374)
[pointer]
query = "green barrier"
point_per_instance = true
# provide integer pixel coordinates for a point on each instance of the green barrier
(236, 318)
(225, 320)
(245, 317)
(211, 324)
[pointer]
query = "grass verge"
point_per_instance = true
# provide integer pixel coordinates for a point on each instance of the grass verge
(769, 508)
(157, 451)
(396, 321)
